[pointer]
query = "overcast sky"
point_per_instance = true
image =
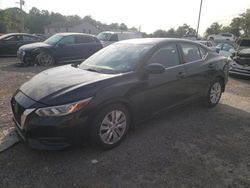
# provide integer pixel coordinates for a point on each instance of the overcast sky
(149, 14)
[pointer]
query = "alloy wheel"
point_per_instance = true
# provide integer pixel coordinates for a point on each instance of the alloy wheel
(215, 93)
(113, 127)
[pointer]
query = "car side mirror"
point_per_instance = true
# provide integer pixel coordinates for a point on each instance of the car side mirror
(155, 68)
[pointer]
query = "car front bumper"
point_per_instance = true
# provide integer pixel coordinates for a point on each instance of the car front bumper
(48, 133)
(237, 69)
(25, 58)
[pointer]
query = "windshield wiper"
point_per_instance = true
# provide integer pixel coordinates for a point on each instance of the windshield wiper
(91, 69)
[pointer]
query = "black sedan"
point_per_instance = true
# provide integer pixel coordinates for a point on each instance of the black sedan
(60, 48)
(10, 43)
(122, 83)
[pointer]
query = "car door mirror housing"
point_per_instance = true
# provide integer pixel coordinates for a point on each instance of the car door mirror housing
(155, 68)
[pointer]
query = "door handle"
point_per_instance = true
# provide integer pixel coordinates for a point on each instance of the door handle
(181, 74)
(211, 65)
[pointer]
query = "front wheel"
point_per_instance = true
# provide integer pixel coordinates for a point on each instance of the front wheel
(110, 126)
(214, 93)
(45, 59)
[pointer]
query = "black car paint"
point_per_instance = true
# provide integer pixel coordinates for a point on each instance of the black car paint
(61, 53)
(9, 48)
(143, 94)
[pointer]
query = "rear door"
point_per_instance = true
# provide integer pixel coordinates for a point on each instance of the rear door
(86, 46)
(198, 68)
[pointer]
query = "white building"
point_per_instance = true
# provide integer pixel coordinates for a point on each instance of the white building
(61, 27)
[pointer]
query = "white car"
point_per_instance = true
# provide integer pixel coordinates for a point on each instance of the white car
(109, 37)
(221, 37)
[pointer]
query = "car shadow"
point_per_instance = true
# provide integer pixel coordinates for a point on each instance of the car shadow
(190, 145)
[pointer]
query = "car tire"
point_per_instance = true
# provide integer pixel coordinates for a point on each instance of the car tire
(45, 59)
(110, 126)
(214, 93)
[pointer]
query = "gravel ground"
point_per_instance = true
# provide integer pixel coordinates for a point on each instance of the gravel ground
(188, 147)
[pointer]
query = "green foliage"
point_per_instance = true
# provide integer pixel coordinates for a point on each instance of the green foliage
(36, 20)
(215, 28)
(238, 26)
(172, 33)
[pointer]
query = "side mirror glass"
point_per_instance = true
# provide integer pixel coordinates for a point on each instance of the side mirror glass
(155, 68)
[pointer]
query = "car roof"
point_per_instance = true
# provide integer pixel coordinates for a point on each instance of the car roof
(13, 34)
(68, 34)
(155, 41)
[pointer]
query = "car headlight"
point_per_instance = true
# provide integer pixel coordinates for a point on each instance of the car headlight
(63, 109)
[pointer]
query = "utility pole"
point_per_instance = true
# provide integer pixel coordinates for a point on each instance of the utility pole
(198, 25)
(21, 3)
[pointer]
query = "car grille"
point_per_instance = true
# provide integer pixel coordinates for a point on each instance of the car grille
(17, 110)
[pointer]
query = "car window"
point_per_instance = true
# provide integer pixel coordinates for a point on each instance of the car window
(29, 38)
(13, 38)
(67, 40)
(84, 39)
(202, 52)
(191, 52)
(226, 35)
(227, 47)
(114, 37)
(167, 56)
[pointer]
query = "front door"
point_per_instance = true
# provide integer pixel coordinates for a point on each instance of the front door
(66, 49)
(167, 89)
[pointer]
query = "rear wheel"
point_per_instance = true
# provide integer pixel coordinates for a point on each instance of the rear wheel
(45, 59)
(111, 126)
(214, 93)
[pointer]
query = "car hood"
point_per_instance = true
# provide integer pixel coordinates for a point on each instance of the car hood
(34, 46)
(50, 87)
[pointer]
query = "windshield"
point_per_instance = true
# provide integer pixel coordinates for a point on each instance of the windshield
(104, 36)
(53, 40)
(116, 58)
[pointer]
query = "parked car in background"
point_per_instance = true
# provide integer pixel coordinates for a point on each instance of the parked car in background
(222, 36)
(109, 37)
(227, 50)
(190, 36)
(208, 43)
(10, 43)
(241, 59)
(60, 48)
(42, 36)
(124, 82)
(225, 46)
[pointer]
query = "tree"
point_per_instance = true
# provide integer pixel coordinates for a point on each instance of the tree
(160, 33)
(123, 27)
(245, 24)
(185, 29)
(215, 28)
(235, 26)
